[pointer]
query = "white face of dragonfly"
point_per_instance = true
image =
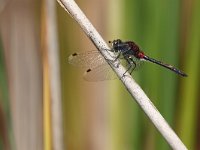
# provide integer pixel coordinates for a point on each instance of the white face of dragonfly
(117, 45)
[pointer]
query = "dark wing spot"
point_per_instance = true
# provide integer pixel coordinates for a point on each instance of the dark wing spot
(89, 70)
(74, 54)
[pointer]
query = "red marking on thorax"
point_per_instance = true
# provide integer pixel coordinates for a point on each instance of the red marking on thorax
(138, 54)
(133, 46)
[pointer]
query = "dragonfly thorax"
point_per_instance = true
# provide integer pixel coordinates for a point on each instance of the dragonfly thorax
(119, 46)
(127, 48)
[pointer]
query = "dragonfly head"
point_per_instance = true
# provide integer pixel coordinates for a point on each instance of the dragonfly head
(117, 45)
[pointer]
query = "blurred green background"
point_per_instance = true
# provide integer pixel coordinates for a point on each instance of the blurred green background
(99, 115)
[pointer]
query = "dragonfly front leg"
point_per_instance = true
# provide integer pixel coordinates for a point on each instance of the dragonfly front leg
(115, 59)
(119, 54)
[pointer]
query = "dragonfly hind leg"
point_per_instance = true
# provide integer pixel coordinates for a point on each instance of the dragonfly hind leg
(131, 66)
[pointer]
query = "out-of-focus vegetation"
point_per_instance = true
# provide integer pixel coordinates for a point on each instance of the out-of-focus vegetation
(101, 115)
(5, 127)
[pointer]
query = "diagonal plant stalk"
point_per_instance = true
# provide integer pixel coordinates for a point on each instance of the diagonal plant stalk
(133, 88)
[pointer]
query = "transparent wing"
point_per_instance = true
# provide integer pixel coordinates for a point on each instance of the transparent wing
(100, 73)
(89, 59)
(98, 70)
(105, 72)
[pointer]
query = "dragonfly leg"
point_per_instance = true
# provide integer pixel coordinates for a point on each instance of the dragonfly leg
(115, 59)
(118, 56)
(110, 50)
(133, 64)
(130, 65)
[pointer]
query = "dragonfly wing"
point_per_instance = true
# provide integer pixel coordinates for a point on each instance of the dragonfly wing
(100, 73)
(89, 59)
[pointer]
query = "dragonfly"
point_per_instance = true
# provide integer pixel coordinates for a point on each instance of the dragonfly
(98, 68)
